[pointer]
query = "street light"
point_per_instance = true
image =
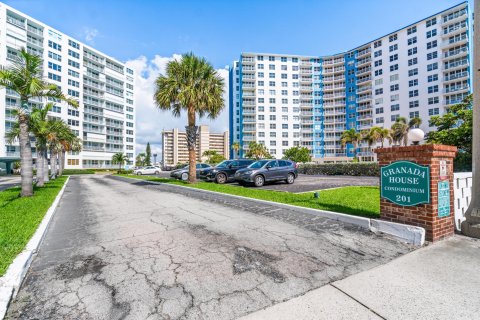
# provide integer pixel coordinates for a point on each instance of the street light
(416, 135)
(471, 226)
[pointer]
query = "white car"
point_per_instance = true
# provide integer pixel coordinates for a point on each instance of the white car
(147, 170)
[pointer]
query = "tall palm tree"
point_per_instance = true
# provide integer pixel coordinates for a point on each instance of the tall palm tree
(384, 134)
(401, 128)
(257, 151)
(353, 137)
(119, 158)
(193, 85)
(68, 142)
(56, 141)
(24, 76)
(236, 149)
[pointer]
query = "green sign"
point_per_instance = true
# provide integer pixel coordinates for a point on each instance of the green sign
(405, 183)
(443, 199)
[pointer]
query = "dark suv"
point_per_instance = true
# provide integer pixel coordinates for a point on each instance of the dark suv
(224, 171)
(267, 170)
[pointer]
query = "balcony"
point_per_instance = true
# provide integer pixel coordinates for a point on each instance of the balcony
(364, 52)
(93, 57)
(456, 52)
(364, 88)
(455, 28)
(363, 80)
(306, 88)
(364, 61)
(361, 72)
(465, 87)
(456, 76)
(454, 16)
(456, 64)
(364, 98)
(34, 30)
(93, 148)
(16, 22)
(457, 40)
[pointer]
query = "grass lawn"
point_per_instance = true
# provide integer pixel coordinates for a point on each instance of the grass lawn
(20, 217)
(359, 201)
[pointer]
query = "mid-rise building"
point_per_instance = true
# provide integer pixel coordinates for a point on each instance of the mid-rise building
(103, 86)
(290, 100)
(175, 145)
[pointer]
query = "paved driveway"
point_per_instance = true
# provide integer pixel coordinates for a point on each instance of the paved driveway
(9, 181)
(126, 249)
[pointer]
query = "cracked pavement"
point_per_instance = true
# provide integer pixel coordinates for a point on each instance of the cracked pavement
(129, 249)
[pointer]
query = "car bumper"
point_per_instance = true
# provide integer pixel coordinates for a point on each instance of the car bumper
(243, 178)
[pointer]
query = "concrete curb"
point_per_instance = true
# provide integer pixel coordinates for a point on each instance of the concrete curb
(17, 270)
(405, 233)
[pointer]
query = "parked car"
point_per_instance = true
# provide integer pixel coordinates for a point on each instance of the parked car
(182, 173)
(147, 170)
(224, 171)
(266, 171)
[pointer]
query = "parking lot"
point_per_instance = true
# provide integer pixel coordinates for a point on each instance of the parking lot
(307, 183)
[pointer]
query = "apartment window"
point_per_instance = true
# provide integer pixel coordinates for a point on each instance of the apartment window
(73, 54)
(378, 82)
(284, 109)
(394, 117)
(432, 66)
(377, 53)
(261, 108)
(412, 40)
(74, 113)
(284, 76)
(413, 72)
(414, 114)
(379, 120)
(55, 66)
(284, 93)
(273, 109)
(294, 68)
(260, 66)
(433, 100)
(394, 67)
(271, 67)
(394, 87)
(378, 72)
(261, 75)
(433, 112)
(73, 63)
(394, 77)
(432, 78)
(432, 55)
(72, 122)
(283, 67)
(57, 109)
(377, 44)
(73, 83)
(378, 91)
(54, 45)
(412, 61)
(412, 51)
(432, 44)
(433, 89)
(261, 83)
(284, 84)
(261, 117)
(284, 101)
(431, 22)
(394, 107)
(393, 37)
(271, 58)
(413, 93)
(54, 56)
(394, 97)
(73, 93)
(393, 57)
(271, 100)
(413, 104)
(55, 77)
(431, 33)
(413, 83)
(283, 59)
(261, 134)
(261, 100)
(260, 58)
(378, 63)
(393, 47)
(412, 30)
(273, 126)
(379, 110)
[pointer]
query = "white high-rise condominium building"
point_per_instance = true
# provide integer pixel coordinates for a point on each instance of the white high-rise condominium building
(289, 100)
(102, 85)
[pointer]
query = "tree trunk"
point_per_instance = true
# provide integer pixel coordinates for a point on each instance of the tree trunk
(53, 163)
(46, 177)
(40, 167)
(61, 156)
(191, 131)
(25, 154)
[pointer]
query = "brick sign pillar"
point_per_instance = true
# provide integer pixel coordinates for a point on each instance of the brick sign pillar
(417, 187)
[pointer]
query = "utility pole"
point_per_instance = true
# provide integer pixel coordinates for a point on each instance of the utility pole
(471, 226)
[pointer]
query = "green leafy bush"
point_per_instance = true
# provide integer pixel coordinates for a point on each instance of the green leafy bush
(123, 171)
(343, 169)
(78, 171)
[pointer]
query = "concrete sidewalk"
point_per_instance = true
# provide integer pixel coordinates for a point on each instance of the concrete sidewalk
(440, 281)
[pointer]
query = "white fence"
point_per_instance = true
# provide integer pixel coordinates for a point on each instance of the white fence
(463, 192)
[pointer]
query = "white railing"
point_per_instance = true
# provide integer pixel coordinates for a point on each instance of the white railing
(462, 189)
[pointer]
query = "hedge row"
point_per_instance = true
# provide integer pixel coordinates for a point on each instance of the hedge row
(343, 169)
(78, 171)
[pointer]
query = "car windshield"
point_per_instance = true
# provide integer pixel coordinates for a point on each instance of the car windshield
(258, 164)
(223, 164)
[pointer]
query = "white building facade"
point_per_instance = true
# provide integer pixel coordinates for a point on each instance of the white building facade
(103, 86)
(289, 100)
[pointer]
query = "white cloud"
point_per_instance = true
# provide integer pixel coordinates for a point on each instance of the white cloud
(150, 121)
(90, 34)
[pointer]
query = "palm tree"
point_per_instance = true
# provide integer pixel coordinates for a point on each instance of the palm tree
(57, 139)
(257, 151)
(384, 134)
(119, 158)
(69, 142)
(401, 128)
(236, 149)
(190, 84)
(24, 76)
(353, 137)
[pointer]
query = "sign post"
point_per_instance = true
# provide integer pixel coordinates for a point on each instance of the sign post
(416, 187)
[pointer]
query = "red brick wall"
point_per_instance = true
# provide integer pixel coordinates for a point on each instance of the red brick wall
(423, 215)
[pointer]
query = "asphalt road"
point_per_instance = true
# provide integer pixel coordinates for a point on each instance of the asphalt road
(9, 181)
(126, 249)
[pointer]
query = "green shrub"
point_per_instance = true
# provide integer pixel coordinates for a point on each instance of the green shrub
(343, 169)
(123, 171)
(462, 162)
(78, 171)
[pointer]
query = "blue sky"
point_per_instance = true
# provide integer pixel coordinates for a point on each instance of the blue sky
(146, 34)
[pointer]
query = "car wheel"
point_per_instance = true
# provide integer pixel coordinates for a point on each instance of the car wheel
(139, 173)
(157, 173)
(221, 178)
(290, 178)
(259, 181)
(184, 176)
